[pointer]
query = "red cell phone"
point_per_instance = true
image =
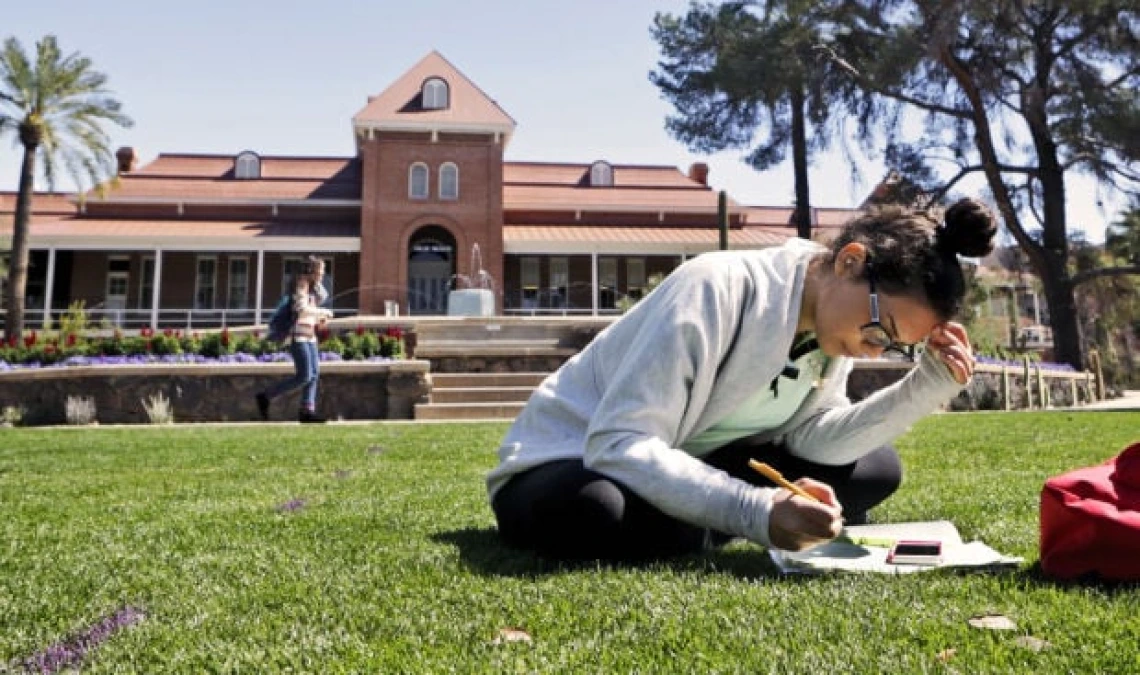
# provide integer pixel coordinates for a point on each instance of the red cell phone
(915, 553)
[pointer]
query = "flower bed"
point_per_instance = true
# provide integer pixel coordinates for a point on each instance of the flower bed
(38, 350)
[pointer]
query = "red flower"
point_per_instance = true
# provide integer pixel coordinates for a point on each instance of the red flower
(359, 329)
(225, 337)
(71, 339)
(168, 332)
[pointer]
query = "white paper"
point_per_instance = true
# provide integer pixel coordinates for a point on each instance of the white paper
(864, 548)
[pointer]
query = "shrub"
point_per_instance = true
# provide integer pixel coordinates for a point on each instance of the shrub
(12, 415)
(158, 409)
(80, 410)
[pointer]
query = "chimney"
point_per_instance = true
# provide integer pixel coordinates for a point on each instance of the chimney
(127, 159)
(699, 172)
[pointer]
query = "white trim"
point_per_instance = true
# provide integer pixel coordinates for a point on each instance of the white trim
(260, 285)
(156, 293)
(650, 210)
(49, 287)
(459, 127)
(594, 283)
(605, 248)
(194, 245)
(232, 201)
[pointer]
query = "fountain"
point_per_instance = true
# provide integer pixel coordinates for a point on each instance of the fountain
(474, 294)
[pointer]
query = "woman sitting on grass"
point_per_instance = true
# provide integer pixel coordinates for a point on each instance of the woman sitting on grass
(639, 445)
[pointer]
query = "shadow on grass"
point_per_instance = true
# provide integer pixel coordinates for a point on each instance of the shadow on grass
(484, 553)
(1036, 576)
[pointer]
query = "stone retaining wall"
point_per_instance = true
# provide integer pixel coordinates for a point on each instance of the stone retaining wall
(216, 392)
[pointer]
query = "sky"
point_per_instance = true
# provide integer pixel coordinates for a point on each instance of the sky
(285, 77)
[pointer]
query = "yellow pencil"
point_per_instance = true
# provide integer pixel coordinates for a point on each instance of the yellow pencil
(778, 478)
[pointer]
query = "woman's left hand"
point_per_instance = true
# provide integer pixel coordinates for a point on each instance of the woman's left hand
(952, 346)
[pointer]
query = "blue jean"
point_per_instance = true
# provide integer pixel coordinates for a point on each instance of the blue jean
(306, 372)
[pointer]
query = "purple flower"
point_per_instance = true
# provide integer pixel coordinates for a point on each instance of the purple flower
(71, 651)
(292, 505)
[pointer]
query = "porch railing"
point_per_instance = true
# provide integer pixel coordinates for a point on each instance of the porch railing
(170, 317)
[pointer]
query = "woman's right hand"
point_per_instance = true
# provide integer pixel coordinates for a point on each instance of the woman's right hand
(796, 523)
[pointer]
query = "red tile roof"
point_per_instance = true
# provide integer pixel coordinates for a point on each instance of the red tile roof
(175, 177)
(648, 199)
(575, 174)
(43, 204)
(68, 228)
(750, 237)
(399, 105)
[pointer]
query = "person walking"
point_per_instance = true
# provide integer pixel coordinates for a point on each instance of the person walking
(307, 294)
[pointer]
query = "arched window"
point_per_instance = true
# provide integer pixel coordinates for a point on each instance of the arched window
(449, 181)
(601, 174)
(435, 94)
(247, 165)
(418, 181)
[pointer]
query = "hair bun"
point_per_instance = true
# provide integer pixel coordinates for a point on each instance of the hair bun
(969, 230)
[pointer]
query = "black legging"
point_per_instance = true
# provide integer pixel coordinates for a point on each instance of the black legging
(563, 510)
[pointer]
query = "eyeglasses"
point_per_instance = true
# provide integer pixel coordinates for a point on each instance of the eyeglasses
(876, 334)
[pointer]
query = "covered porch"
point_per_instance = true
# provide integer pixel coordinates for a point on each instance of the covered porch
(199, 275)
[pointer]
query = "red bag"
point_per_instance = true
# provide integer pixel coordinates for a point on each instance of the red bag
(1090, 521)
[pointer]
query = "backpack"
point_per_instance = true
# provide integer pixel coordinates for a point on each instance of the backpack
(1090, 521)
(282, 320)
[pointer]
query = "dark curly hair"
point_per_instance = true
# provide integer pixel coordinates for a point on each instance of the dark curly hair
(914, 254)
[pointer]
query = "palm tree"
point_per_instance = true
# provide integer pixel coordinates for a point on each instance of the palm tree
(58, 105)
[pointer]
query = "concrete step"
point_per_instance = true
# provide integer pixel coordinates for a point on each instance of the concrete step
(467, 411)
(480, 394)
(472, 349)
(463, 380)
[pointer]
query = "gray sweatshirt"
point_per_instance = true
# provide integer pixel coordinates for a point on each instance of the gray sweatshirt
(718, 329)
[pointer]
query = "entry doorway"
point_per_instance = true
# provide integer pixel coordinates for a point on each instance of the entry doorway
(431, 268)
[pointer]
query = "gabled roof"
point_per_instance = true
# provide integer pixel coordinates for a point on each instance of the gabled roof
(399, 107)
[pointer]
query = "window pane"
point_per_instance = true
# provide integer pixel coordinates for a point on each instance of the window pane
(449, 182)
(238, 295)
(207, 271)
(418, 183)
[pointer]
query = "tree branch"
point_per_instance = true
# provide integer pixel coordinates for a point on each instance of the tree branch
(1089, 275)
(883, 91)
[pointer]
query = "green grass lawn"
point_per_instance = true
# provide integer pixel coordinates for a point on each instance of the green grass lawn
(388, 562)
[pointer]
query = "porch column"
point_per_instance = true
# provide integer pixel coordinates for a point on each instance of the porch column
(49, 288)
(594, 283)
(156, 288)
(260, 285)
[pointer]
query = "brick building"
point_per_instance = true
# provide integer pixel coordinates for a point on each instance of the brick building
(426, 205)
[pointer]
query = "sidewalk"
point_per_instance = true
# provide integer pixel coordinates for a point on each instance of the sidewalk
(1129, 401)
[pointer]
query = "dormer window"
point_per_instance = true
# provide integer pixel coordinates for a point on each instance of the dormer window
(418, 181)
(436, 95)
(601, 174)
(247, 165)
(449, 181)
